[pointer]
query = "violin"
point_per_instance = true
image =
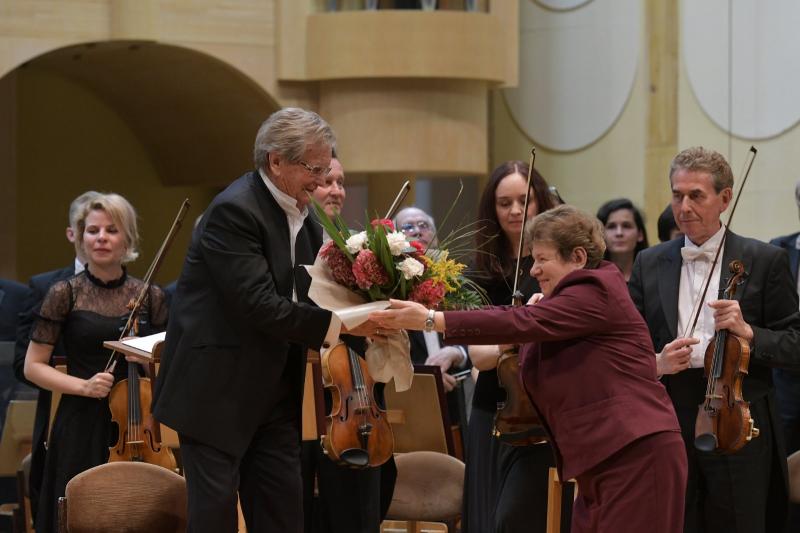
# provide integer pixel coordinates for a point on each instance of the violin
(130, 399)
(516, 421)
(357, 433)
(723, 420)
(139, 434)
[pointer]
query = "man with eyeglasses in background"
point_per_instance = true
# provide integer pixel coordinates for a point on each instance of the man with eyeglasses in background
(426, 347)
(417, 225)
(348, 500)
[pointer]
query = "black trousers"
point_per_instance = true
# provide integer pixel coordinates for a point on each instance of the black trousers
(266, 478)
(729, 493)
(348, 501)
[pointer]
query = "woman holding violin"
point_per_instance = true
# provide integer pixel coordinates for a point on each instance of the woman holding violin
(86, 310)
(503, 483)
(587, 365)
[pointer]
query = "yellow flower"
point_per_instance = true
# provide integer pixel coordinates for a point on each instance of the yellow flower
(445, 271)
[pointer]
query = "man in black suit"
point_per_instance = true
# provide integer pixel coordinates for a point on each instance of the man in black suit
(12, 301)
(746, 490)
(231, 377)
(13, 296)
(39, 284)
(787, 382)
(348, 500)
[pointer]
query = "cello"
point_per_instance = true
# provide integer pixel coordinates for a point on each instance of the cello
(139, 436)
(357, 432)
(723, 422)
(516, 421)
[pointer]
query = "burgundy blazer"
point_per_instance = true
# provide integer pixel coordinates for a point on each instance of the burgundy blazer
(587, 364)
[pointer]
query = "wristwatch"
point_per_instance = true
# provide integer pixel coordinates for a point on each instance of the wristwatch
(429, 321)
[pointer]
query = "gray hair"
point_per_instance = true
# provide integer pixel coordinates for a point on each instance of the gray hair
(699, 159)
(288, 132)
(76, 208)
(428, 218)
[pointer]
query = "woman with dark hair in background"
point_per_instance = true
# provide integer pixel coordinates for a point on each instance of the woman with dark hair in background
(625, 233)
(505, 487)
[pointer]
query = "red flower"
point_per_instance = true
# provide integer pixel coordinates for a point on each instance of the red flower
(429, 293)
(385, 222)
(419, 246)
(338, 263)
(368, 270)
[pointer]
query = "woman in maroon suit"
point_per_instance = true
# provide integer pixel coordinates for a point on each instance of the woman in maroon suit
(587, 365)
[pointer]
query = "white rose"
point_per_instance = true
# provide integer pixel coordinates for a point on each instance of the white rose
(356, 242)
(410, 267)
(397, 242)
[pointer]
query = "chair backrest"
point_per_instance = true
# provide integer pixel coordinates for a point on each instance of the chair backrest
(418, 416)
(123, 496)
(429, 487)
(794, 477)
(15, 443)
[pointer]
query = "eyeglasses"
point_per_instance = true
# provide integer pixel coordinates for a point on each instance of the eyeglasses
(314, 171)
(415, 226)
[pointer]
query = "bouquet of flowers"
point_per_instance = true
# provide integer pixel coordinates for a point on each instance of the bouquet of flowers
(379, 263)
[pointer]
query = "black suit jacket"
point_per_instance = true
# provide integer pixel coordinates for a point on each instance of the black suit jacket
(768, 299)
(235, 338)
(13, 296)
(789, 243)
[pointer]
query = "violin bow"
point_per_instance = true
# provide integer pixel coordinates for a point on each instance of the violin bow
(401, 195)
(148, 277)
(748, 164)
(516, 295)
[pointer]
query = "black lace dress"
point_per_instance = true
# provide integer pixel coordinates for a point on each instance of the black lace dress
(85, 311)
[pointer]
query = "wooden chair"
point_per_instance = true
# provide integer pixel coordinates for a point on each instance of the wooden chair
(429, 488)
(794, 477)
(555, 492)
(140, 496)
(419, 416)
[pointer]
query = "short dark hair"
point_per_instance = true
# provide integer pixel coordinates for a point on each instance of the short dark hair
(623, 203)
(666, 223)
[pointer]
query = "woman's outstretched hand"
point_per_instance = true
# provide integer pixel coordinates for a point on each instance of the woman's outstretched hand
(401, 315)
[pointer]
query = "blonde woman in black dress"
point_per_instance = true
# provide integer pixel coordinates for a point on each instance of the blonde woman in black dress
(86, 310)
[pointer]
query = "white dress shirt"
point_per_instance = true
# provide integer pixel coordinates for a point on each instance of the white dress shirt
(295, 218)
(693, 275)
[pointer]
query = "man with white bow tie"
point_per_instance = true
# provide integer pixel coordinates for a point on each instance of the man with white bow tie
(747, 490)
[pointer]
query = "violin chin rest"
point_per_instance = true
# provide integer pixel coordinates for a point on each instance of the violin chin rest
(355, 457)
(706, 442)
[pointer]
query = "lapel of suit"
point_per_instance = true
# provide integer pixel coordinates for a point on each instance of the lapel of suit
(734, 249)
(794, 255)
(669, 279)
(309, 241)
(276, 248)
(2, 295)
